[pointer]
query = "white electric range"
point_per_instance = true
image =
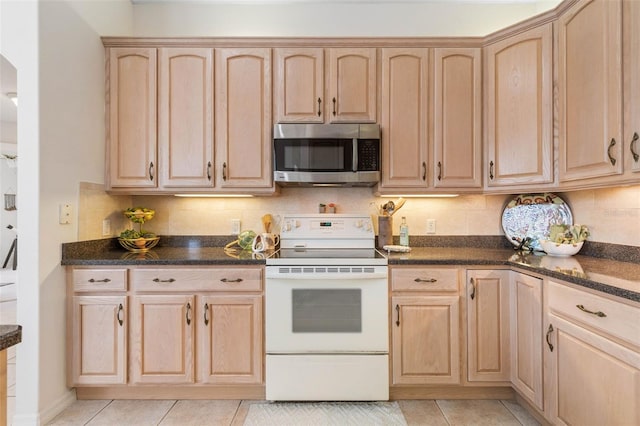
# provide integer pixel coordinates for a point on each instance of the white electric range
(326, 311)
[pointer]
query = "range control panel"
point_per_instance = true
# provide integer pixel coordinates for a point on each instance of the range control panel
(321, 230)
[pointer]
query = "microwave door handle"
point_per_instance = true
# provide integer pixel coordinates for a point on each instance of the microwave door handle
(354, 156)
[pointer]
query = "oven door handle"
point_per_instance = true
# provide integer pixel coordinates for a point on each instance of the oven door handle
(326, 276)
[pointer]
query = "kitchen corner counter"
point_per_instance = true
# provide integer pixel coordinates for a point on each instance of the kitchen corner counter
(613, 277)
(10, 335)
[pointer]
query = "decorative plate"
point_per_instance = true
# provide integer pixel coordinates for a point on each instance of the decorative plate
(531, 215)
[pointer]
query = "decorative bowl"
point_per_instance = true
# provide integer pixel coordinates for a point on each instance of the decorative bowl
(138, 245)
(560, 250)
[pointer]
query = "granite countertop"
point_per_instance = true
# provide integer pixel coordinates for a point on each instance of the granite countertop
(10, 335)
(609, 276)
(605, 274)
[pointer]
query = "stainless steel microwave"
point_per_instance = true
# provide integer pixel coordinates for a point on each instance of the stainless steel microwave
(326, 154)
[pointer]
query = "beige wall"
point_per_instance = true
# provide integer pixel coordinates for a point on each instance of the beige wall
(613, 215)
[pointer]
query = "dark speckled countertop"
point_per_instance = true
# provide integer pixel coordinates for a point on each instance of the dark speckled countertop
(10, 335)
(598, 266)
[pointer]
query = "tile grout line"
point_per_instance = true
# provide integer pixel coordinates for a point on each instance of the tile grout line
(444, 416)
(99, 411)
(235, 414)
(175, 401)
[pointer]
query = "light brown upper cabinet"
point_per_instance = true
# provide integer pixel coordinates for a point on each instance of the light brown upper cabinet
(518, 109)
(299, 85)
(131, 138)
(631, 84)
(590, 90)
(243, 117)
(185, 117)
(352, 85)
(405, 114)
(457, 110)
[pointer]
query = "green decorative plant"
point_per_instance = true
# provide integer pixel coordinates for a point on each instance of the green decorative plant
(568, 234)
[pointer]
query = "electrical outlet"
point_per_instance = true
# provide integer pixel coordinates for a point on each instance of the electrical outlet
(65, 214)
(431, 226)
(106, 227)
(235, 226)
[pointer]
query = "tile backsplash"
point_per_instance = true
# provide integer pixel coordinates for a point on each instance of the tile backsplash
(613, 215)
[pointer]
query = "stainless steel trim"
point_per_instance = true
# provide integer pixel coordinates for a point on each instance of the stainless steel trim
(318, 178)
(344, 131)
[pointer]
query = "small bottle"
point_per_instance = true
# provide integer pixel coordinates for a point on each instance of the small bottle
(404, 232)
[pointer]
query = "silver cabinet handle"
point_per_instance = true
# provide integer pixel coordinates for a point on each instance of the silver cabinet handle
(598, 313)
(422, 280)
(473, 289)
(106, 280)
(549, 331)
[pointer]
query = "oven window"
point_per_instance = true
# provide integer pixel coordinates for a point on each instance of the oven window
(327, 311)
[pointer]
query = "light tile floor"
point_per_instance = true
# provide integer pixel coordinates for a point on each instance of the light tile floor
(233, 413)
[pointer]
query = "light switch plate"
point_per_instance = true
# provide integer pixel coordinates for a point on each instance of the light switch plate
(106, 227)
(431, 226)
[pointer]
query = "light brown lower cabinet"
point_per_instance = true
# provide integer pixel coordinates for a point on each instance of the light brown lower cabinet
(165, 326)
(525, 319)
(593, 352)
(487, 299)
(425, 326)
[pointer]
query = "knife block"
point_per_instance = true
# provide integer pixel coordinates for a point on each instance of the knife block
(385, 231)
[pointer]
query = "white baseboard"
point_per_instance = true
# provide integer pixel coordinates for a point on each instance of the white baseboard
(45, 416)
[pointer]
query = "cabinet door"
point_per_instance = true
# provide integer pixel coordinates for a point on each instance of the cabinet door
(405, 103)
(352, 85)
(457, 125)
(526, 336)
(243, 118)
(299, 85)
(131, 139)
(488, 325)
(230, 339)
(593, 380)
(425, 340)
(631, 61)
(162, 339)
(185, 117)
(99, 339)
(519, 111)
(590, 90)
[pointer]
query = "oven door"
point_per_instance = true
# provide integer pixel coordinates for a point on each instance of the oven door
(330, 313)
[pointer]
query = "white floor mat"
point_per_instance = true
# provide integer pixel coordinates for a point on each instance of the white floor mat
(325, 414)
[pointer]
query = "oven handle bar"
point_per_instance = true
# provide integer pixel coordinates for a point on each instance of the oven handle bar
(327, 276)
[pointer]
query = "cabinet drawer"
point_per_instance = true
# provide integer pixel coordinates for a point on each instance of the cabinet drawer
(99, 279)
(222, 279)
(424, 279)
(609, 316)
